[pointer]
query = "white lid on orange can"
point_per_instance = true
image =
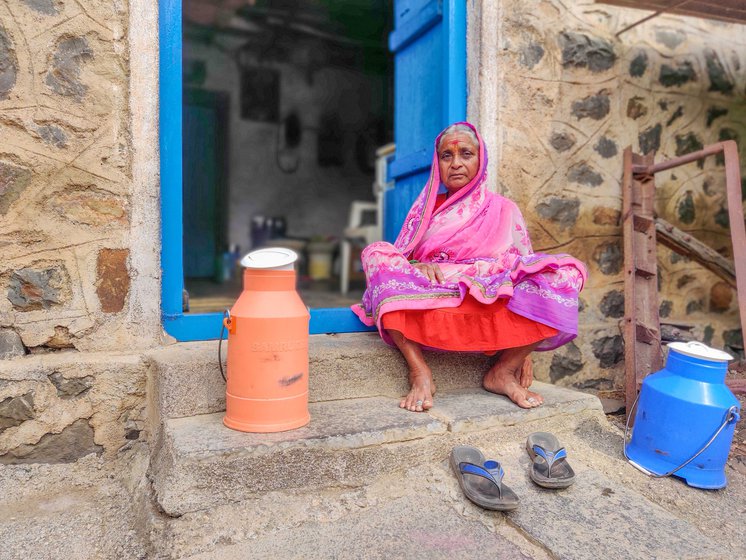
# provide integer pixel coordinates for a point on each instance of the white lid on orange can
(275, 258)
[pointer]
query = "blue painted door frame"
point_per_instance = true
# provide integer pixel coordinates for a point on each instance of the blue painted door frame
(429, 44)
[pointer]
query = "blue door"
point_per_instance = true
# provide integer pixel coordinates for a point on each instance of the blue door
(429, 46)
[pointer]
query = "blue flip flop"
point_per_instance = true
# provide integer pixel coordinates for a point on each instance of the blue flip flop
(481, 480)
(550, 468)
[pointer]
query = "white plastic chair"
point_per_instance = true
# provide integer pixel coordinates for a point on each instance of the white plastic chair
(355, 230)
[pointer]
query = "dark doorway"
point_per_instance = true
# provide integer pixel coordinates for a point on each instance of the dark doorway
(205, 169)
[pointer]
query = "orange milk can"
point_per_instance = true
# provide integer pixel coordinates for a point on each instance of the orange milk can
(267, 379)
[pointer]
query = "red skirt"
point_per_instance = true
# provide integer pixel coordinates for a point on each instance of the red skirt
(470, 327)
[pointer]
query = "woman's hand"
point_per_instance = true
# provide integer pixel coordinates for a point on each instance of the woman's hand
(432, 271)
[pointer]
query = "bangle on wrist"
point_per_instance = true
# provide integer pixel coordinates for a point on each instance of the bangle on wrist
(414, 262)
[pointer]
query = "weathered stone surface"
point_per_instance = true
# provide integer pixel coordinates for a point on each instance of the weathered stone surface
(71, 444)
(427, 523)
(69, 388)
(612, 304)
(688, 143)
(694, 306)
(638, 65)
(709, 332)
(721, 296)
(53, 135)
(723, 135)
(671, 38)
(339, 368)
(598, 506)
(686, 210)
(46, 7)
(606, 147)
(719, 79)
(609, 258)
(90, 207)
(11, 345)
(8, 65)
(684, 280)
(609, 350)
(583, 174)
(707, 187)
(561, 210)
(679, 112)
(650, 139)
(733, 339)
(636, 108)
(722, 218)
(594, 107)
(13, 181)
(664, 310)
(63, 76)
(62, 338)
(583, 51)
(604, 216)
(113, 280)
(201, 464)
(31, 289)
(531, 54)
(562, 141)
(673, 333)
(597, 384)
(714, 113)
(14, 411)
(677, 76)
(565, 362)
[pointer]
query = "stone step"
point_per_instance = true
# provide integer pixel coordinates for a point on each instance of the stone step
(595, 518)
(200, 464)
(185, 378)
(419, 511)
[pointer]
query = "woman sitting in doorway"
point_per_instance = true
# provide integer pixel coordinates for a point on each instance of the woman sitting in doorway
(462, 276)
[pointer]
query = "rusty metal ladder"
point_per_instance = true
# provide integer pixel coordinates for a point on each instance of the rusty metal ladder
(642, 230)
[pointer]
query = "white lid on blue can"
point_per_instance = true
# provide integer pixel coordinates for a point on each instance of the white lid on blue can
(700, 350)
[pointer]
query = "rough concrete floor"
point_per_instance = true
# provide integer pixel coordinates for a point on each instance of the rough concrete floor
(79, 511)
(93, 509)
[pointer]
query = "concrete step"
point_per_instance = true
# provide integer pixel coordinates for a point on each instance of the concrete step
(419, 511)
(185, 378)
(199, 463)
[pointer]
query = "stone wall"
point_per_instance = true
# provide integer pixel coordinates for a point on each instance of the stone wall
(66, 181)
(559, 98)
(79, 268)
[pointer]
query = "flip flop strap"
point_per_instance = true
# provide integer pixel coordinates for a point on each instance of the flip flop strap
(550, 456)
(492, 471)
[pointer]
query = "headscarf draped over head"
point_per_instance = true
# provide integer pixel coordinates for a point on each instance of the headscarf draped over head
(479, 240)
(422, 208)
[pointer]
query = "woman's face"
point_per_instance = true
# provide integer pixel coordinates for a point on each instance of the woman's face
(458, 160)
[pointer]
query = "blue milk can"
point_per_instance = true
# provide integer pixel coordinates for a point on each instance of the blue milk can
(686, 417)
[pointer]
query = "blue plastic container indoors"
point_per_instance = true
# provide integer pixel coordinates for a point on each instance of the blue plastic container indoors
(686, 417)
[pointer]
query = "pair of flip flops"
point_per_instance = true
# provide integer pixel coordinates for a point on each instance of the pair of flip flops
(481, 479)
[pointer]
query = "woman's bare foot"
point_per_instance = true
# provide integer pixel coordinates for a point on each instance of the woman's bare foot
(420, 396)
(526, 376)
(503, 381)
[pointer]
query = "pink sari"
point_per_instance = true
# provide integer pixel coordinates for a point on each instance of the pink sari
(480, 242)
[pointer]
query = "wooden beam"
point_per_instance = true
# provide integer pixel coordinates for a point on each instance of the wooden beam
(688, 246)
